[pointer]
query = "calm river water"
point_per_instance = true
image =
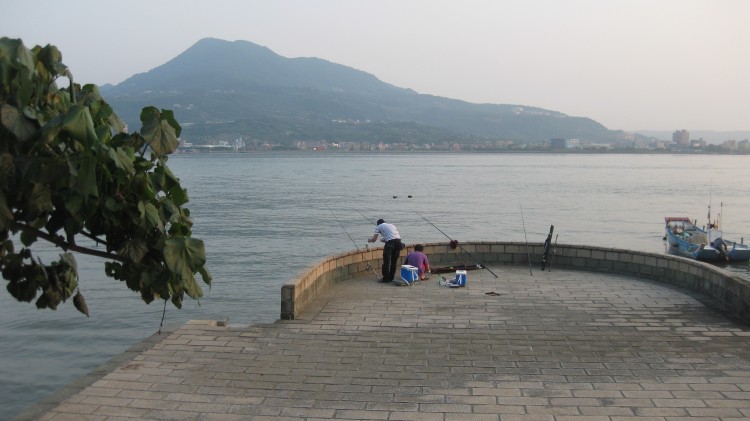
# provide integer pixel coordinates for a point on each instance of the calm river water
(265, 217)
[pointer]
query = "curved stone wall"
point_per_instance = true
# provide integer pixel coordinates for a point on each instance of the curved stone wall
(731, 292)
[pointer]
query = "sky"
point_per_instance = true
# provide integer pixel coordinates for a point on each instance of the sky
(628, 64)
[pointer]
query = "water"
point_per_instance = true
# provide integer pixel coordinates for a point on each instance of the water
(266, 217)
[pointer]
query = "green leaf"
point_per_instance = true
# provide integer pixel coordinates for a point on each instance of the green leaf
(160, 135)
(157, 178)
(168, 211)
(51, 130)
(50, 298)
(171, 184)
(206, 275)
(112, 204)
(25, 89)
(123, 159)
(16, 123)
(80, 303)
(79, 125)
(40, 202)
(50, 57)
(168, 115)
(177, 299)
(57, 220)
(23, 289)
(113, 270)
(16, 52)
(179, 196)
(192, 289)
(69, 260)
(141, 187)
(152, 216)
(73, 202)
(148, 282)
(28, 237)
(6, 216)
(184, 255)
(116, 123)
(7, 169)
(134, 250)
(55, 173)
(85, 182)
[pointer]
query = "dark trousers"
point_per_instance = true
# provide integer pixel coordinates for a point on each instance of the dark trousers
(391, 252)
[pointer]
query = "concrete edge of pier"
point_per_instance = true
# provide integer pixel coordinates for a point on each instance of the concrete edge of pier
(731, 292)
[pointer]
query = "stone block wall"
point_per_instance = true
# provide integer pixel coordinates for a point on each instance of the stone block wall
(731, 292)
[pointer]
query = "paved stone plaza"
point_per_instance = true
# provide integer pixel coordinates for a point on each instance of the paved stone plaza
(557, 345)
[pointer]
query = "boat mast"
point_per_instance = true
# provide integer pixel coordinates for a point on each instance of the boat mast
(710, 185)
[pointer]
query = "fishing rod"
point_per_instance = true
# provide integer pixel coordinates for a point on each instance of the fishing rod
(442, 281)
(528, 255)
(368, 219)
(350, 237)
(459, 245)
(342, 227)
(554, 252)
(367, 246)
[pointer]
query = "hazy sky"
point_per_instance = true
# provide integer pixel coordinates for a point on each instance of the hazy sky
(629, 64)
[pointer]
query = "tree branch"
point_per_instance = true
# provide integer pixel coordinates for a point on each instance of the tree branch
(60, 242)
(93, 238)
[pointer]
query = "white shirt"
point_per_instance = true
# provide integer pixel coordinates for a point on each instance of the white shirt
(388, 231)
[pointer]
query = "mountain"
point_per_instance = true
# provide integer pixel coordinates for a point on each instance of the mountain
(220, 90)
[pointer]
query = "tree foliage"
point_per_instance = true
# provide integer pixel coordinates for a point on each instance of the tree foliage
(70, 173)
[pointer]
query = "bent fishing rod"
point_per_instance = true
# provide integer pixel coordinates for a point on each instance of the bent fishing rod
(350, 237)
(459, 245)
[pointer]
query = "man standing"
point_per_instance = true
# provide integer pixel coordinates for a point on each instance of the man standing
(391, 250)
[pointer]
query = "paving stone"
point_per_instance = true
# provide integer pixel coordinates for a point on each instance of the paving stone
(555, 346)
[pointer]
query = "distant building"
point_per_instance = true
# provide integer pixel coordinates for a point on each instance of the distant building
(558, 143)
(657, 144)
(698, 144)
(730, 144)
(681, 137)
